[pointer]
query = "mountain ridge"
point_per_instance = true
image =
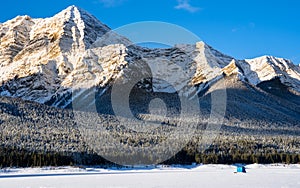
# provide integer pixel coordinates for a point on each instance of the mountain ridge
(73, 50)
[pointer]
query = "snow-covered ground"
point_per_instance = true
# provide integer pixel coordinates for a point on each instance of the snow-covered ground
(259, 176)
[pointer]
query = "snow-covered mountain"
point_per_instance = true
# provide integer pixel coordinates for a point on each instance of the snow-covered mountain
(44, 60)
(72, 60)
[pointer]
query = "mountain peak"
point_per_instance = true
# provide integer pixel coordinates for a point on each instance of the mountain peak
(79, 23)
(73, 8)
(76, 13)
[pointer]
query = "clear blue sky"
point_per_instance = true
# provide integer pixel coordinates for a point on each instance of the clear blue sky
(240, 28)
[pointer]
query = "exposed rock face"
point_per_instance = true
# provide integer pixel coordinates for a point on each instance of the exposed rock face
(231, 69)
(43, 60)
(14, 35)
(42, 56)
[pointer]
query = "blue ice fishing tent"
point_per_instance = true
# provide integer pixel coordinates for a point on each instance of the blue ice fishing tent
(241, 169)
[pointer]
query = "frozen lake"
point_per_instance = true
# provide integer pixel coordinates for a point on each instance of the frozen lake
(260, 176)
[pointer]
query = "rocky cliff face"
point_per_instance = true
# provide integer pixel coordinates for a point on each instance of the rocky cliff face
(44, 60)
(40, 57)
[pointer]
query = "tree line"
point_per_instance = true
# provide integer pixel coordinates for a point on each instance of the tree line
(14, 157)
